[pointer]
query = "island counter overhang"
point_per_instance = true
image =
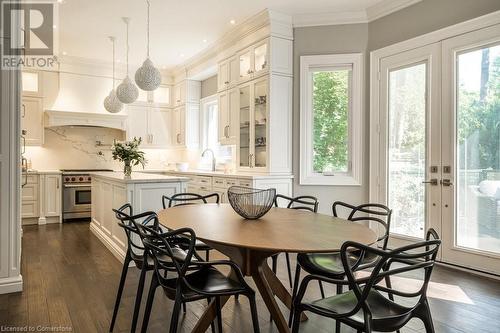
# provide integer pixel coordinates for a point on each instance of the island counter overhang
(112, 190)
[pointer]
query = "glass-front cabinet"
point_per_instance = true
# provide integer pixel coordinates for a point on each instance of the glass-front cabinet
(253, 61)
(253, 124)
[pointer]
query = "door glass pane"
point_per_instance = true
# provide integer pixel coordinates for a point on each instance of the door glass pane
(407, 149)
(478, 149)
(260, 57)
(245, 126)
(260, 109)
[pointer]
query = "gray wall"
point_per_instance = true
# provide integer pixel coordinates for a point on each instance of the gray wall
(209, 86)
(421, 18)
(351, 38)
(424, 17)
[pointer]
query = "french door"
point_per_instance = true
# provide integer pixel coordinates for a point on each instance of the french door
(439, 166)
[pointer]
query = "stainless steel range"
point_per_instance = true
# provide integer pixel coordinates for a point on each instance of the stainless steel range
(77, 193)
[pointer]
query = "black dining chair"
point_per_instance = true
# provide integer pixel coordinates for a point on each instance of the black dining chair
(194, 279)
(304, 202)
(181, 199)
(330, 264)
(369, 305)
(135, 253)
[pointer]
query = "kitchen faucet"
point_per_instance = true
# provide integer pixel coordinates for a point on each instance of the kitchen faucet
(213, 157)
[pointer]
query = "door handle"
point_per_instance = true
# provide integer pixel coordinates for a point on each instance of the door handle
(251, 161)
(433, 182)
(24, 111)
(446, 182)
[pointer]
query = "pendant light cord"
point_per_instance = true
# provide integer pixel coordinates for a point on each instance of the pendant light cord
(113, 40)
(147, 1)
(127, 45)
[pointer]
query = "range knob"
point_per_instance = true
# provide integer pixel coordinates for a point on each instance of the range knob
(89, 179)
(73, 179)
(66, 179)
(80, 179)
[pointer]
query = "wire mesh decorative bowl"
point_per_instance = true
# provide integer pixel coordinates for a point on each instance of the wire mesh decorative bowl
(251, 203)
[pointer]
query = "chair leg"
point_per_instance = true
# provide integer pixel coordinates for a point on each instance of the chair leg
(287, 256)
(149, 304)
(296, 320)
(275, 263)
(426, 317)
(294, 293)
(219, 314)
(321, 289)
(212, 325)
(253, 310)
(175, 313)
(207, 255)
(184, 307)
(120, 291)
(138, 297)
(337, 323)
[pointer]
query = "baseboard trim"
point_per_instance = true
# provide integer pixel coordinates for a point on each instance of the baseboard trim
(469, 270)
(110, 245)
(11, 284)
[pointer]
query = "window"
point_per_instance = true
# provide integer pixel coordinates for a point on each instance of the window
(330, 119)
(209, 129)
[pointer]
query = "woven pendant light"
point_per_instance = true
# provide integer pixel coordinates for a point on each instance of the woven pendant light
(111, 103)
(127, 92)
(148, 77)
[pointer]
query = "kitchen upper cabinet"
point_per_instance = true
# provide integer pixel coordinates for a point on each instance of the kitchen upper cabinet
(253, 61)
(137, 123)
(228, 73)
(253, 109)
(32, 120)
(180, 93)
(52, 195)
(152, 124)
(159, 127)
(178, 126)
(264, 131)
(228, 116)
(159, 97)
(31, 83)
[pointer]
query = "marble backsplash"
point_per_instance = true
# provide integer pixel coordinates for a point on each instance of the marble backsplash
(77, 148)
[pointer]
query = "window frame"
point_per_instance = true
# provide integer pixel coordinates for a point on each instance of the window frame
(308, 64)
(205, 103)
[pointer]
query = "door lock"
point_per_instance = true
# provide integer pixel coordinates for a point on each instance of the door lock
(433, 182)
(446, 182)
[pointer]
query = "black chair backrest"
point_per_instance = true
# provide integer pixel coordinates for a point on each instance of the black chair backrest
(370, 212)
(303, 202)
(180, 199)
(161, 245)
(419, 256)
(128, 222)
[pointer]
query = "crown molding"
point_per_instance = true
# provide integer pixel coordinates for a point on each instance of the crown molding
(372, 13)
(387, 7)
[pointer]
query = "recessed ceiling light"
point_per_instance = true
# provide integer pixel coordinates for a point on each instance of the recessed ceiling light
(232, 21)
(54, 26)
(65, 53)
(204, 41)
(60, 1)
(181, 55)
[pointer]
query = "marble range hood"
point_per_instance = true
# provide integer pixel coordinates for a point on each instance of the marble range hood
(57, 118)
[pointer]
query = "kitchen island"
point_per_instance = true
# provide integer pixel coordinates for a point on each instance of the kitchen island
(112, 190)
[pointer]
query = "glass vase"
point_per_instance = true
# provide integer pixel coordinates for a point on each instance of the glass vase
(127, 169)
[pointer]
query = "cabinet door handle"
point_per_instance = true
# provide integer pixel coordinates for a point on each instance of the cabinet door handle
(23, 115)
(251, 161)
(178, 138)
(57, 182)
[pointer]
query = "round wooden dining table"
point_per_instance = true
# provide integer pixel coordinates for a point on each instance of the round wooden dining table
(249, 243)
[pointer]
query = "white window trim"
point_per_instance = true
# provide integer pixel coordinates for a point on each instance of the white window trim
(307, 176)
(212, 99)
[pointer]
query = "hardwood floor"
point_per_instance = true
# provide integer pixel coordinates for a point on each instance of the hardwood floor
(70, 280)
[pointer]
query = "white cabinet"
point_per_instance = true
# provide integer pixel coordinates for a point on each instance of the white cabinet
(32, 120)
(41, 199)
(264, 139)
(178, 126)
(31, 83)
(228, 116)
(253, 61)
(180, 93)
(150, 123)
(52, 195)
(228, 73)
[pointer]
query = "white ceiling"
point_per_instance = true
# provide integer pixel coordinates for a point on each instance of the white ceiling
(178, 28)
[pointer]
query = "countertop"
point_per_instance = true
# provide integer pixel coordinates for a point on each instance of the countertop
(138, 177)
(217, 174)
(43, 172)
